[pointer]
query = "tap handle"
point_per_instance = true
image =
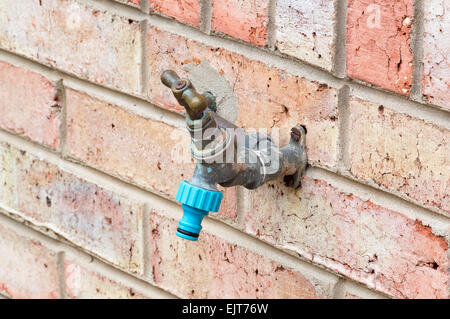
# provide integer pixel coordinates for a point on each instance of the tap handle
(186, 95)
(169, 77)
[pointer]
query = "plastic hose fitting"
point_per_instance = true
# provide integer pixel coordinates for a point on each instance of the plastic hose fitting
(196, 202)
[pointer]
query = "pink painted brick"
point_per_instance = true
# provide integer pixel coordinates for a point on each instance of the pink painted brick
(29, 105)
(304, 29)
(95, 45)
(266, 97)
(228, 206)
(215, 268)
(436, 52)
(28, 269)
(379, 247)
(94, 218)
(144, 151)
(403, 154)
(378, 43)
(186, 11)
(83, 283)
(243, 19)
(149, 153)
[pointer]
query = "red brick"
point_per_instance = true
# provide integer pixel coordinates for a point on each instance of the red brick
(436, 52)
(379, 53)
(403, 154)
(29, 105)
(243, 19)
(228, 206)
(149, 153)
(215, 268)
(95, 45)
(28, 269)
(304, 29)
(267, 97)
(83, 283)
(381, 248)
(92, 217)
(186, 11)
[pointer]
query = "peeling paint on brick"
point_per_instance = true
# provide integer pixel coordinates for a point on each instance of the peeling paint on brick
(378, 43)
(187, 11)
(95, 45)
(28, 269)
(305, 30)
(402, 254)
(29, 105)
(141, 150)
(401, 153)
(381, 248)
(243, 19)
(214, 268)
(96, 219)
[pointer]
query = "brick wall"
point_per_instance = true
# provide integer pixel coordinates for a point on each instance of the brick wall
(87, 168)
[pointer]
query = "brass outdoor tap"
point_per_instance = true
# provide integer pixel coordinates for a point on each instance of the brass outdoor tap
(227, 155)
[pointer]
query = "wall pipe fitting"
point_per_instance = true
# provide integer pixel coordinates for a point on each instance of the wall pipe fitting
(227, 155)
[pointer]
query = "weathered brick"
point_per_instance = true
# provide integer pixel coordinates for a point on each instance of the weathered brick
(266, 97)
(304, 29)
(28, 269)
(92, 44)
(186, 11)
(378, 43)
(228, 206)
(243, 19)
(215, 268)
(92, 217)
(382, 248)
(149, 153)
(401, 153)
(82, 283)
(29, 105)
(436, 52)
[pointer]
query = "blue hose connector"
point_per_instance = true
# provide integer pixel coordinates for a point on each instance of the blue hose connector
(196, 202)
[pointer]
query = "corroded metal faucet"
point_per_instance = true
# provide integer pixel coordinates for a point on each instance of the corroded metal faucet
(227, 155)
